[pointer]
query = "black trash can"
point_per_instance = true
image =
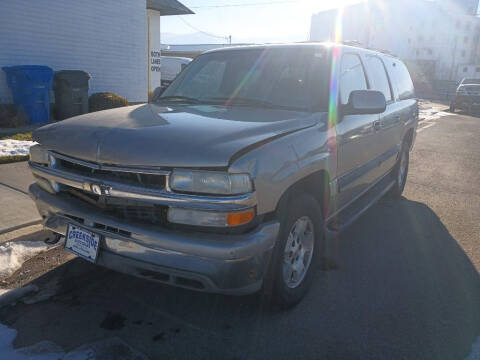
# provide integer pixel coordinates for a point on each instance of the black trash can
(71, 93)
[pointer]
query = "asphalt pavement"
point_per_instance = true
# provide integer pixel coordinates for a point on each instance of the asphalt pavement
(408, 285)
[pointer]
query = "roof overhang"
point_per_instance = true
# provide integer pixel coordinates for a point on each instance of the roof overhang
(168, 7)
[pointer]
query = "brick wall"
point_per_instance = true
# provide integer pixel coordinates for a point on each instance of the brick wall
(106, 38)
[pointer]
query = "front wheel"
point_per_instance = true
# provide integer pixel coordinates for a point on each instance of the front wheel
(297, 252)
(400, 172)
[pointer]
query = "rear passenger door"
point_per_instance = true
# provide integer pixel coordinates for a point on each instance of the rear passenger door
(356, 140)
(404, 94)
(388, 127)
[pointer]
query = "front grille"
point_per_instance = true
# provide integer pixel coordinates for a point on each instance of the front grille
(151, 181)
(128, 210)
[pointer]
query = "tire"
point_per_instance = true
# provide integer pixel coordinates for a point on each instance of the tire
(400, 173)
(470, 110)
(305, 250)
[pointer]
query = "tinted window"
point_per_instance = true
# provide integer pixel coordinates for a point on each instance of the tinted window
(471, 81)
(293, 78)
(352, 76)
(377, 76)
(400, 78)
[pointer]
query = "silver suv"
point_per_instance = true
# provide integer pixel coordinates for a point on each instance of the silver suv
(238, 176)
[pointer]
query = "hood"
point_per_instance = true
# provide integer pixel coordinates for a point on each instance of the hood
(177, 136)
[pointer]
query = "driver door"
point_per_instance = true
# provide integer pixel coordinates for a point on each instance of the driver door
(356, 136)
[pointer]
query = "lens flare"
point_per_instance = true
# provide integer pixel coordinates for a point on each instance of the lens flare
(333, 114)
(247, 76)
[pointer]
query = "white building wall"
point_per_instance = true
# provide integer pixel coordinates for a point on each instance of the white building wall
(106, 38)
(468, 71)
(426, 31)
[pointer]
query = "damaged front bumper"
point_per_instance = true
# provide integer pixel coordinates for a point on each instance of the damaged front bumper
(220, 263)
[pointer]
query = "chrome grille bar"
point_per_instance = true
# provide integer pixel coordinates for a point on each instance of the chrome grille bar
(162, 196)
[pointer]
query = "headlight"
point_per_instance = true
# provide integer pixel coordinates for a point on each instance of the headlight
(210, 182)
(38, 154)
(209, 218)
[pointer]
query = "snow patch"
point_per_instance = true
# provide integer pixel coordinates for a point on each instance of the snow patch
(9, 147)
(44, 350)
(108, 349)
(14, 253)
(475, 354)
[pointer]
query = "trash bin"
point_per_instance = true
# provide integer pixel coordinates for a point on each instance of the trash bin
(71, 93)
(30, 85)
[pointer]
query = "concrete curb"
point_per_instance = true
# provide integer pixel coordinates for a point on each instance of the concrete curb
(19, 227)
(28, 232)
(11, 296)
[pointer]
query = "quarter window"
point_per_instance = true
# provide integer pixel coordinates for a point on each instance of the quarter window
(377, 76)
(352, 76)
(400, 78)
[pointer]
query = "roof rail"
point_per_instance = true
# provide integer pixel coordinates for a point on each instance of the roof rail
(354, 43)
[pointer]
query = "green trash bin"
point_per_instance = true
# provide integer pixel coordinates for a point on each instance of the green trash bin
(71, 93)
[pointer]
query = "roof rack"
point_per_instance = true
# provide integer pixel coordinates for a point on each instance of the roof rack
(354, 43)
(360, 45)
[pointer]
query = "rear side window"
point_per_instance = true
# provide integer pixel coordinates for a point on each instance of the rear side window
(352, 76)
(401, 81)
(377, 76)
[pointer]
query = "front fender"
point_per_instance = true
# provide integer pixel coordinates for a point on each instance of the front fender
(279, 164)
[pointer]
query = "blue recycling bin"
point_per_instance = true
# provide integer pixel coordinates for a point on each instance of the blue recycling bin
(30, 85)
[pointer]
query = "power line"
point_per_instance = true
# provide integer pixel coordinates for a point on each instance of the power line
(204, 32)
(247, 4)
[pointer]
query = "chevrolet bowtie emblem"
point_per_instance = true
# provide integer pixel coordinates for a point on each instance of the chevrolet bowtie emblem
(101, 189)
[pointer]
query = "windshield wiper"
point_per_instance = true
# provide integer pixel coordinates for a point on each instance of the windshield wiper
(179, 98)
(252, 102)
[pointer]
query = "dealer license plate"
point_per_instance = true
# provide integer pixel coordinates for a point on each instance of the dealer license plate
(82, 242)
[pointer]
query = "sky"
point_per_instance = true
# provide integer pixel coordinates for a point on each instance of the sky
(245, 20)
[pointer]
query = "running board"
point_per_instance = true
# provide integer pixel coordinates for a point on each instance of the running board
(351, 214)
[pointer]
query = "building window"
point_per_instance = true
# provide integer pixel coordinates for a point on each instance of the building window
(465, 39)
(417, 52)
(465, 69)
(467, 26)
(409, 40)
(463, 53)
(457, 25)
(430, 52)
(477, 69)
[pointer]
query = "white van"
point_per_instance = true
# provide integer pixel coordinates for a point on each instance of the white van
(171, 67)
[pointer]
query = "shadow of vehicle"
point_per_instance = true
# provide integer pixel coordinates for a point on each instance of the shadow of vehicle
(404, 290)
(474, 113)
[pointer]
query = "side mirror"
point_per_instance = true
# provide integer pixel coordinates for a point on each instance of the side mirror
(157, 93)
(365, 102)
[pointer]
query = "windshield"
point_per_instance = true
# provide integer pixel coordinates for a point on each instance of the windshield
(290, 78)
(471, 81)
(473, 87)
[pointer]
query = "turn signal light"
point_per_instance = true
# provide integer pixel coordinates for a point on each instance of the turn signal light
(240, 218)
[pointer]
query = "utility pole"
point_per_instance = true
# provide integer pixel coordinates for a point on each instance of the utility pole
(230, 39)
(452, 69)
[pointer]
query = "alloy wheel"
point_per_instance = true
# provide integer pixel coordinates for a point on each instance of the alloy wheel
(298, 252)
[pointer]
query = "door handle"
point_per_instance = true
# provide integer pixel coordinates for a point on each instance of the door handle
(377, 125)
